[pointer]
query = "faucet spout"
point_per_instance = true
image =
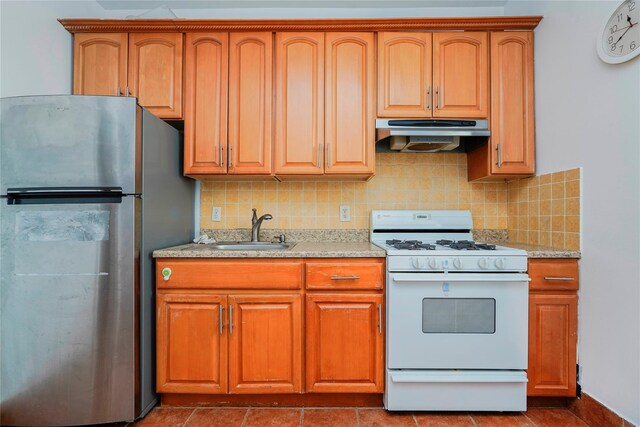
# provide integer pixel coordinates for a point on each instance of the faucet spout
(256, 223)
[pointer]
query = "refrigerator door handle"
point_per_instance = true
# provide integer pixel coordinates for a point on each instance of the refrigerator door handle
(63, 195)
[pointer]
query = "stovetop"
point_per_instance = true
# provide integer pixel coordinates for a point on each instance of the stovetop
(443, 244)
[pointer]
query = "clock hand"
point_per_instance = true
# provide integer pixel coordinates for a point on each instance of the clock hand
(625, 32)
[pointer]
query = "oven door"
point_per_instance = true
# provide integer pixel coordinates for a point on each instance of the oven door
(457, 321)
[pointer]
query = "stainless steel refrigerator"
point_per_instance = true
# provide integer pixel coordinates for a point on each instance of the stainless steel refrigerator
(90, 186)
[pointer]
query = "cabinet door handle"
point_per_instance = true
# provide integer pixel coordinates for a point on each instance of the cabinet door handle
(380, 318)
(328, 156)
(564, 279)
(117, 91)
(127, 91)
(221, 158)
(221, 319)
(498, 149)
(429, 98)
(318, 161)
(229, 153)
(230, 319)
(345, 277)
(438, 97)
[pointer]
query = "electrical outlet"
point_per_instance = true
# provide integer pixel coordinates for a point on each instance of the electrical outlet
(216, 212)
(345, 213)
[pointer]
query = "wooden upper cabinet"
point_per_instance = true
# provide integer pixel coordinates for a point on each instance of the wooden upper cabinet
(404, 74)
(205, 108)
(512, 118)
(250, 100)
(460, 74)
(343, 358)
(349, 95)
(100, 63)
(299, 124)
(155, 72)
(191, 343)
(265, 344)
(552, 344)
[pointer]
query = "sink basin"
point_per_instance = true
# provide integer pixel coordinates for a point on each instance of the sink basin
(248, 246)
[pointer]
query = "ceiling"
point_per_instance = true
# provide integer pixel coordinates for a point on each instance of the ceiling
(350, 4)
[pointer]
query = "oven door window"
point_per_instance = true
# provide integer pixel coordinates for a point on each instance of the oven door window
(458, 315)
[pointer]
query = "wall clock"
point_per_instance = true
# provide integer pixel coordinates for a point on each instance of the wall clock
(619, 37)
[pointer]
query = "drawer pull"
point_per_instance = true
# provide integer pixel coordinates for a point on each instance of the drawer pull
(380, 318)
(166, 274)
(564, 279)
(221, 319)
(345, 277)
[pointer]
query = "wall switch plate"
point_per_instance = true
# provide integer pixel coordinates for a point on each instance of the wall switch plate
(216, 213)
(345, 213)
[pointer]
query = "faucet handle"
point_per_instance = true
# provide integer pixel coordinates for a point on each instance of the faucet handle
(254, 217)
(281, 238)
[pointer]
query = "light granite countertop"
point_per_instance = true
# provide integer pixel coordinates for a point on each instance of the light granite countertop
(536, 251)
(298, 250)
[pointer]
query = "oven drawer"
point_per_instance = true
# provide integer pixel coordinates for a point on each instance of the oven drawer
(351, 274)
(553, 274)
(410, 390)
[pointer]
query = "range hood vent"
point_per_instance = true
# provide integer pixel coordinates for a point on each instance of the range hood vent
(428, 135)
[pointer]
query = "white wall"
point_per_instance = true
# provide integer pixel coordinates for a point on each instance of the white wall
(588, 115)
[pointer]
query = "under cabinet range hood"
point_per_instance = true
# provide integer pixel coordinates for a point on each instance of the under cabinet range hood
(428, 135)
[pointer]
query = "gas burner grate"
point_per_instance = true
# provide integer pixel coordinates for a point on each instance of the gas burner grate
(412, 245)
(466, 245)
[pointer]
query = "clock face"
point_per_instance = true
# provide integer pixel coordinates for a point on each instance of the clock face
(620, 37)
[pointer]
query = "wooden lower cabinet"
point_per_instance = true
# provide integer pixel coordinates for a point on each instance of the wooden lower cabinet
(241, 326)
(345, 343)
(553, 318)
(265, 344)
(191, 344)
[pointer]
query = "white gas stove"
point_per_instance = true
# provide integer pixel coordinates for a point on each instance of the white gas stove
(456, 315)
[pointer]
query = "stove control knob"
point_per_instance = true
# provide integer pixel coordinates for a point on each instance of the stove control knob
(457, 263)
(433, 263)
(415, 261)
(499, 262)
(482, 263)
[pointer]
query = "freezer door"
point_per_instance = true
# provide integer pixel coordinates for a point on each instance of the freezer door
(68, 141)
(68, 283)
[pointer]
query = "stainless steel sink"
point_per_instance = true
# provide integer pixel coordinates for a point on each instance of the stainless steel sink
(249, 246)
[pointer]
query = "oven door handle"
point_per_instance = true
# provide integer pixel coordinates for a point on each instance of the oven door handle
(467, 377)
(438, 277)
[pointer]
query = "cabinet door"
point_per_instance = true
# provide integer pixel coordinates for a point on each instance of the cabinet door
(404, 75)
(299, 103)
(512, 126)
(265, 344)
(340, 358)
(155, 72)
(250, 98)
(460, 72)
(350, 93)
(191, 343)
(100, 64)
(552, 344)
(205, 108)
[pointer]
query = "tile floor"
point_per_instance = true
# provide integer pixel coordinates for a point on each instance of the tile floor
(351, 417)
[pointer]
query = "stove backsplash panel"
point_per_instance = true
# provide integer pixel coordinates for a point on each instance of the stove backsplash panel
(545, 210)
(402, 181)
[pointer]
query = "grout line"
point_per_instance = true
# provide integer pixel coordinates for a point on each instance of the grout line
(193, 411)
(472, 419)
(415, 420)
(301, 417)
(246, 417)
(527, 417)
(358, 417)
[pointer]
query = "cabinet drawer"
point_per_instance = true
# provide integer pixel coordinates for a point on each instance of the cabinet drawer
(236, 274)
(351, 274)
(553, 274)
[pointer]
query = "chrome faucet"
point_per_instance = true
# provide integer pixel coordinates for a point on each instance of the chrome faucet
(256, 223)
